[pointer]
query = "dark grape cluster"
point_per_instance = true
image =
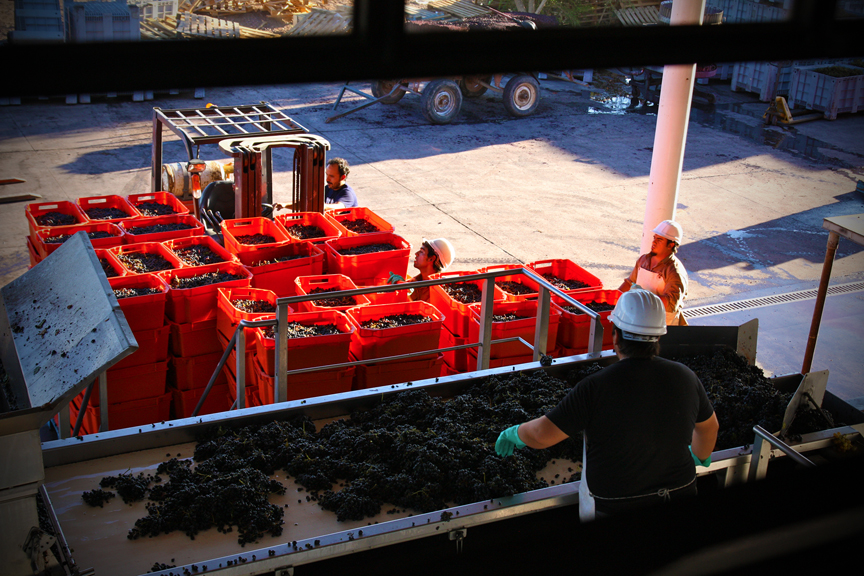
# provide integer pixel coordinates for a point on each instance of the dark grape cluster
(56, 219)
(105, 213)
(109, 270)
(297, 330)
(463, 292)
(367, 249)
(132, 292)
(154, 209)
(198, 255)
(304, 232)
(514, 287)
(593, 305)
(394, 321)
(61, 238)
(144, 262)
(254, 239)
(155, 228)
(203, 279)
(507, 317)
(563, 284)
(97, 497)
(360, 226)
(277, 259)
(253, 306)
(331, 302)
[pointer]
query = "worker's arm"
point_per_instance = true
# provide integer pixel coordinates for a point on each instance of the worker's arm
(541, 433)
(334, 206)
(630, 280)
(705, 437)
(675, 289)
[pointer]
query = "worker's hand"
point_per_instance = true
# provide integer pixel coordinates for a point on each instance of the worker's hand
(395, 278)
(291, 207)
(508, 440)
(697, 461)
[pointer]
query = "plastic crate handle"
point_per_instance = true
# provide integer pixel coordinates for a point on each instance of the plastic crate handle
(49, 206)
(241, 224)
(145, 198)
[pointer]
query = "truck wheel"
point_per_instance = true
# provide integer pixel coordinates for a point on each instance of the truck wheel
(471, 87)
(383, 87)
(521, 95)
(442, 101)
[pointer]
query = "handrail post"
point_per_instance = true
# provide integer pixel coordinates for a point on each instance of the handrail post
(487, 300)
(240, 351)
(759, 453)
(280, 383)
(541, 331)
(104, 425)
(595, 336)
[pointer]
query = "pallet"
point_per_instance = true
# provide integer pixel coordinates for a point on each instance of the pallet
(322, 22)
(638, 16)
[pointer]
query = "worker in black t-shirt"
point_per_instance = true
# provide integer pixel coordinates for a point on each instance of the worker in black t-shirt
(646, 420)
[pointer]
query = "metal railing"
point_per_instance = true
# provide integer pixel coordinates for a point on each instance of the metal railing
(484, 343)
(761, 452)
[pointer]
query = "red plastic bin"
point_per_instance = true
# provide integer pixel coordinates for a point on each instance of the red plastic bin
(457, 359)
(152, 348)
(574, 328)
(132, 383)
(194, 338)
(306, 259)
(124, 414)
(567, 270)
(232, 229)
(45, 248)
(387, 373)
(110, 201)
(327, 226)
(308, 385)
(457, 316)
(185, 401)
(522, 328)
(228, 315)
(199, 303)
(369, 343)
(311, 350)
(38, 209)
(31, 250)
(500, 362)
(342, 215)
(194, 372)
(178, 245)
(146, 248)
(394, 297)
(136, 229)
(252, 396)
(306, 284)
(145, 312)
(368, 269)
(110, 265)
(517, 278)
(231, 363)
(165, 198)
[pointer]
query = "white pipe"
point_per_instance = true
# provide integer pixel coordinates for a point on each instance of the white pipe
(673, 114)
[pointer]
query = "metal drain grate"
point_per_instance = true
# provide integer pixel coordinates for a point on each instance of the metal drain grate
(751, 303)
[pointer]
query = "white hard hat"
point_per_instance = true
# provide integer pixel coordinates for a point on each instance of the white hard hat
(443, 249)
(670, 230)
(640, 315)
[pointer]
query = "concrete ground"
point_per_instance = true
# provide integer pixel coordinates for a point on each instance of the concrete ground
(568, 182)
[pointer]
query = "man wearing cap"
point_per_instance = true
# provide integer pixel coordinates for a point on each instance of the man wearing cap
(662, 273)
(433, 256)
(647, 422)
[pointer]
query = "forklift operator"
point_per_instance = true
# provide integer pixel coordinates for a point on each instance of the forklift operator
(647, 421)
(662, 273)
(338, 194)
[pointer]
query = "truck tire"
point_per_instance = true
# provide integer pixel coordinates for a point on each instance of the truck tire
(383, 87)
(522, 95)
(442, 101)
(470, 86)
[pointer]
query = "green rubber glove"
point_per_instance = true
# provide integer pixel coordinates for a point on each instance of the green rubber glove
(697, 461)
(395, 278)
(508, 440)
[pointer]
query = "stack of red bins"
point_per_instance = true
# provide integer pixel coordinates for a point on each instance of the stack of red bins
(273, 258)
(307, 352)
(234, 305)
(192, 317)
(522, 326)
(457, 320)
(137, 392)
(51, 223)
(575, 326)
(368, 269)
(370, 343)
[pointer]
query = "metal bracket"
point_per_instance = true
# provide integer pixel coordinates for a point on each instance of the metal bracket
(37, 546)
(287, 571)
(459, 537)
